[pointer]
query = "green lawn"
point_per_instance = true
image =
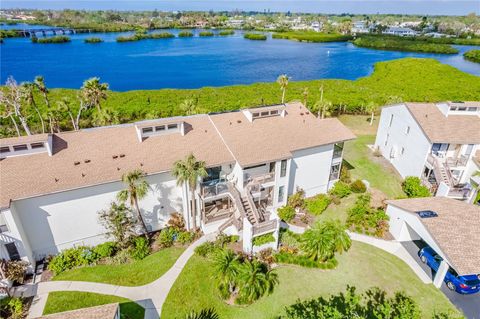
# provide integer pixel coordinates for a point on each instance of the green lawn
(338, 211)
(363, 266)
(60, 301)
(376, 170)
(136, 273)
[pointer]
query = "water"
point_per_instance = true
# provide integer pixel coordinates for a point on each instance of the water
(423, 7)
(193, 62)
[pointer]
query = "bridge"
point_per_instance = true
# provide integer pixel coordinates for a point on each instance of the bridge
(27, 33)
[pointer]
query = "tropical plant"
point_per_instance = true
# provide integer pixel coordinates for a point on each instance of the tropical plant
(370, 108)
(203, 314)
(282, 80)
(15, 270)
(358, 186)
(39, 81)
(189, 107)
(297, 200)
(64, 106)
(254, 280)
(118, 222)
(28, 90)
(263, 239)
(11, 308)
(106, 249)
(305, 96)
(137, 189)
(363, 218)
(340, 189)
(167, 237)
(176, 221)
(322, 241)
(286, 213)
(94, 92)
(317, 204)
(413, 187)
(189, 171)
(140, 248)
(226, 268)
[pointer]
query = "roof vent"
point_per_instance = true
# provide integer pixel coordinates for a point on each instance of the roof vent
(83, 174)
(76, 163)
(87, 161)
(427, 214)
(239, 121)
(114, 156)
(122, 155)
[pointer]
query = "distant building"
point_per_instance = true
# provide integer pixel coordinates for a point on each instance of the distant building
(401, 32)
(360, 27)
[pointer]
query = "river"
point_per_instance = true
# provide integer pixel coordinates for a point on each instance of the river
(194, 62)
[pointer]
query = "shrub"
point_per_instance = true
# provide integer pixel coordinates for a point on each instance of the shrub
(358, 187)
(289, 239)
(345, 175)
(263, 239)
(340, 189)
(286, 213)
(317, 204)
(55, 39)
(205, 249)
(15, 270)
(140, 248)
(311, 36)
(297, 200)
(93, 40)
(255, 36)
(266, 256)
(107, 249)
(206, 34)
(167, 237)
(122, 257)
(119, 222)
(161, 35)
(71, 258)
(472, 55)
(223, 239)
(11, 308)
(226, 32)
(302, 260)
(176, 221)
(365, 219)
(185, 34)
(412, 186)
(185, 237)
(402, 44)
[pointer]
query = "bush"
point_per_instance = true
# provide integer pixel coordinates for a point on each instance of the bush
(11, 308)
(206, 34)
(472, 55)
(263, 239)
(72, 258)
(365, 219)
(345, 175)
(140, 249)
(226, 32)
(412, 186)
(302, 260)
(122, 257)
(318, 204)
(176, 221)
(358, 187)
(340, 189)
(161, 35)
(289, 239)
(15, 270)
(311, 36)
(107, 249)
(205, 249)
(93, 40)
(185, 34)
(385, 42)
(297, 200)
(185, 237)
(255, 36)
(286, 213)
(55, 39)
(167, 237)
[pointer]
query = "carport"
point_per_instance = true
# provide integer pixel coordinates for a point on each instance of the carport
(448, 226)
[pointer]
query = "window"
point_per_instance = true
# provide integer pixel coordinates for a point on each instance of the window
(407, 131)
(472, 109)
(283, 168)
(391, 121)
(462, 108)
(334, 172)
(12, 251)
(281, 191)
(160, 128)
(255, 115)
(272, 167)
(37, 145)
(213, 174)
(3, 224)
(337, 150)
(4, 149)
(265, 113)
(21, 147)
(172, 126)
(147, 130)
(274, 112)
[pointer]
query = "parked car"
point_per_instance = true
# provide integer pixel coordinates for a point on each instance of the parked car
(468, 284)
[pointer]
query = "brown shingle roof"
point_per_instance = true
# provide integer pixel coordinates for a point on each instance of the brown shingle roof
(85, 157)
(455, 129)
(38, 174)
(98, 312)
(274, 138)
(455, 230)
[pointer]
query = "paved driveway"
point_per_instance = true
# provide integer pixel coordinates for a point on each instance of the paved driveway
(469, 304)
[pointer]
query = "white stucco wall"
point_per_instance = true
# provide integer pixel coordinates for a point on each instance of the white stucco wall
(310, 170)
(415, 143)
(58, 221)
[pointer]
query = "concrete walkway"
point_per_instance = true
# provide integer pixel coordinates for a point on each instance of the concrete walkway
(150, 296)
(394, 248)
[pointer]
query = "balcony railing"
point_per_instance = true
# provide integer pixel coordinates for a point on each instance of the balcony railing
(259, 178)
(459, 161)
(460, 192)
(265, 227)
(213, 188)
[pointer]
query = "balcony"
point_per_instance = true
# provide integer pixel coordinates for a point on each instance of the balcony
(213, 188)
(457, 162)
(258, 178)
(265, 227)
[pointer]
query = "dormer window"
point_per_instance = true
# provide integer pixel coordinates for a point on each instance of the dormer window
(4, 149)
(147, 130)
(27, 145)
(158, 127)
(274, 112)
(172, 126)
(252, 114)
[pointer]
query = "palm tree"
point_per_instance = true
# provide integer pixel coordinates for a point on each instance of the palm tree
(137, 189)
(28, 89)
(64, 106)
(282, 80)
(324, 108)
(11, 99)
(189, 171)
(325, 239)
(94, 92)
(189, 106)
(370, 108)
(40, 84)
(203, 314)
(305, 96)
(254, 281)
(226, 267)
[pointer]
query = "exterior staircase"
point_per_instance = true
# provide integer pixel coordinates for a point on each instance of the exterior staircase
(248, 210)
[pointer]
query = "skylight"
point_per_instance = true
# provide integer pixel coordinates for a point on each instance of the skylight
(427, 214)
